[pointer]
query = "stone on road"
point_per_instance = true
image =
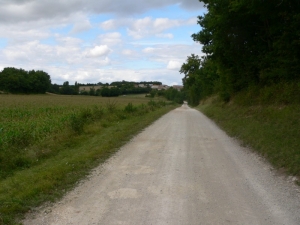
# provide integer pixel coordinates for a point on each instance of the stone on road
(180, 170)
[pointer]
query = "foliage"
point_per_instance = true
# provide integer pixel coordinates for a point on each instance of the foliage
(173, 94)
(170, 94)
(68, 89)
(250, 43)
(20, 81)
(110, 92)
(200, 77)
(130, 108)
(272, 130)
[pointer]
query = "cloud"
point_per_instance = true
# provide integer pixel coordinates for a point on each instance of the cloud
(51, 36)
(171, 56)
(98, 51)
(128, 52)
(81, 26)
(110, 38)
(32, 10)
(174, 65)
(147, 26)
(148, 50)
(169, 35)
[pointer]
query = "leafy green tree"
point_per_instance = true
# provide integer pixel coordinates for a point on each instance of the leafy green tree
(92, 91)
(98, 92)
(20, 81)
(54, 88)
(200, 78)
(190, 69)
(66, 89)
(173, 94)
(251, 42)
(76, 88)
(38, 81)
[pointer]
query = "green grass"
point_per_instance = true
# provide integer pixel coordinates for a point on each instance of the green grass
(273, 130)
(54, 163)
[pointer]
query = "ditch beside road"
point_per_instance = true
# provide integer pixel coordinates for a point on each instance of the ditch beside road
(180, 170)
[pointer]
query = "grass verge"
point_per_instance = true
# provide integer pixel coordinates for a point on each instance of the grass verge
(75, 155)
(272, 130)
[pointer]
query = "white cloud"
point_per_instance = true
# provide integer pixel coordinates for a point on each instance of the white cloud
(98, 51)
(169, 35)
(32, 10)
(128, 52)
(148, 50)
(174, 65)
(81, 26)
(110, 38)
(111, 24)
(51, 36)
(147, 26)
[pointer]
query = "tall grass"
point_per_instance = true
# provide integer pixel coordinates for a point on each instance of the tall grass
(267, 120)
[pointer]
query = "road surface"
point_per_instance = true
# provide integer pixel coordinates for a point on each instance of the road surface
(181, 170)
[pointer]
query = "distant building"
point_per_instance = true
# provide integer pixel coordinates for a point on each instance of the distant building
(178, 87)
(160, 87)
(88, 88)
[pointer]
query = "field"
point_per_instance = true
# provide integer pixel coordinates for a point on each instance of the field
(49, 142)
(26, 120)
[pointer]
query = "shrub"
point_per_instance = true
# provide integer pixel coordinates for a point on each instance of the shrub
(76, 123)
(129, 108)
(111, 106)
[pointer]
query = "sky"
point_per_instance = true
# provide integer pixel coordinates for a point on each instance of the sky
(91, 41)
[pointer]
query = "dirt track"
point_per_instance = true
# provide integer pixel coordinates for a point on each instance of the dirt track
(181, 170)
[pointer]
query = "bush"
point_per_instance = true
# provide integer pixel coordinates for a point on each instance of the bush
(129, 108)
(76, 123)
(111, 106)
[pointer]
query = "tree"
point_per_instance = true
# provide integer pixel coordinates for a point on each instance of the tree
(66, 89)
(251, 42)
(76, 88)
(92, 91)
(54, 88)
(20, 81)
(38, 81)
(200, 78)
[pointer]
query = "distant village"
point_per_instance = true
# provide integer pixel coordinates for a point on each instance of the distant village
(87, 88)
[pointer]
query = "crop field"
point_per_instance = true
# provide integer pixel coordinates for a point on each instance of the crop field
(49, 142)
(29, 119)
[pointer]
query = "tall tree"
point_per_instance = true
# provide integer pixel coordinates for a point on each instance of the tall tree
(20, 81)
(252, 42)
(200, 77)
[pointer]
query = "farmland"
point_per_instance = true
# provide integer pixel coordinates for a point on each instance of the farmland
(48, 142)
(27, 120)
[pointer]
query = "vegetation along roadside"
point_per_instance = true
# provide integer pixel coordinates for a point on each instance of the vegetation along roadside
(272, 129)
(248, 78)
(51, 157)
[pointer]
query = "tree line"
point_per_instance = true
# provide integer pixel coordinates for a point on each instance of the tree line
(106, 90)
(16, 81)
(20, 81)
(246, 44)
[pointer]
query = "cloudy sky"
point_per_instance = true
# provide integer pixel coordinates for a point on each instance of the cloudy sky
(99, 40)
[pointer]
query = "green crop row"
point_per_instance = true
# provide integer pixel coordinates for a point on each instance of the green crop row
(24, 124)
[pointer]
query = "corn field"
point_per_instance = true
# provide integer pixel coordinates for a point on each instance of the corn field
(26, 121)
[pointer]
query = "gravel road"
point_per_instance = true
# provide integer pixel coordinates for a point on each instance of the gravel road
(180, 170)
